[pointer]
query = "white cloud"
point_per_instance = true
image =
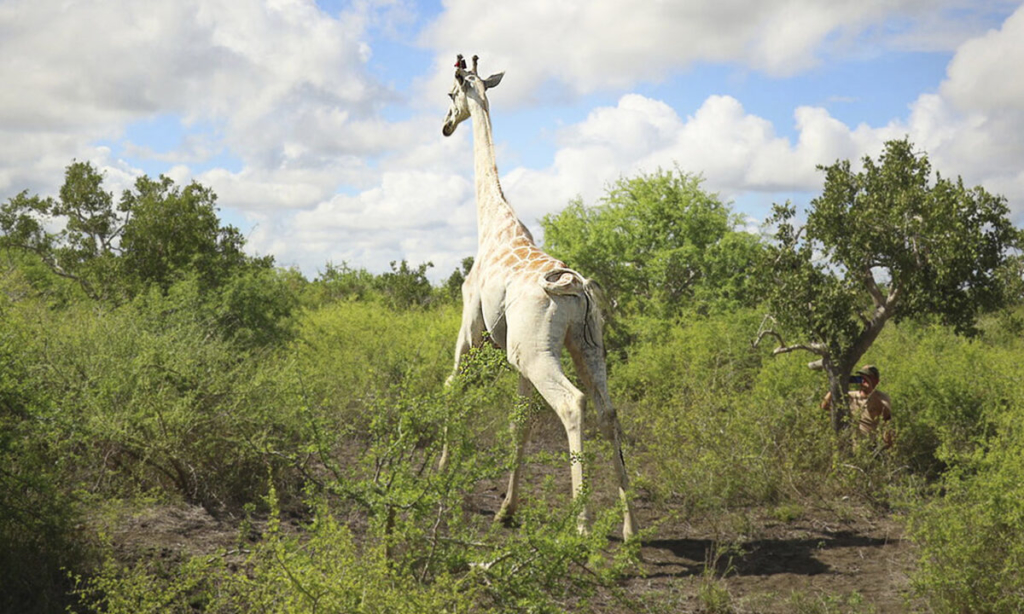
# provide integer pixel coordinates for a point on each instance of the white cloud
(592, 45)
(280, 77)
(419, 216)
(291, 96)
(983, 75)
(972, 126)
(736, 152)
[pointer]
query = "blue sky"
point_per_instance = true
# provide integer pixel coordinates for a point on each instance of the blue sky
(318, 123)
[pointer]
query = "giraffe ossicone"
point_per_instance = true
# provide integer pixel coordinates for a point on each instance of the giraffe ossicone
(531, 305)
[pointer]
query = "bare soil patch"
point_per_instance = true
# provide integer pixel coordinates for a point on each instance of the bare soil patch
(820, 557)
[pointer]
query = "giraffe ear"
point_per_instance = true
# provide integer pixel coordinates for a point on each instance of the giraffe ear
(493, 80)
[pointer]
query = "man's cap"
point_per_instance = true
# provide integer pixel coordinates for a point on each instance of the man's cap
(869, 371)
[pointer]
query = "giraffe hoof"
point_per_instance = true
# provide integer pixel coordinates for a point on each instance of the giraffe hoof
(506, 518)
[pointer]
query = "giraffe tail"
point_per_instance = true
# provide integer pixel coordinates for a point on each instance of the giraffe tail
(563, 281)
(567, 282)
(596, 300)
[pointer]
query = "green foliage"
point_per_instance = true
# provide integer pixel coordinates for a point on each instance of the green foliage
(942, 244)
(451, 289)
(195, 379)
(405, 287)
(352, 352)
(884, 243)
(340, 282)
(254, 308)
(84, 249)
(658, 244)
(170, 232)
(421, 550)
(153, 397)
(970, 539)
(716, 425)
(38, 514)
(157, 234)
(959, 422)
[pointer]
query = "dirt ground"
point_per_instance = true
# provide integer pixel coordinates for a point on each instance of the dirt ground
(808, 564)
(860, 564)
(823, 557)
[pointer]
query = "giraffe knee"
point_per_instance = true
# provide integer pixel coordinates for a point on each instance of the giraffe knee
(572, 413)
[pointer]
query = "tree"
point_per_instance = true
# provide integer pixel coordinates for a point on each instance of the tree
(406, 287)
(171, 231)
(84, 249)
(882, 244)
(659, 245)
(156, 234)
(451, 290)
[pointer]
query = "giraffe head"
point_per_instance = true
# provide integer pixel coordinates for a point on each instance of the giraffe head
(468, 85)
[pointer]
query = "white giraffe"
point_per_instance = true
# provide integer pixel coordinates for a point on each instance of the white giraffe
(531, 305)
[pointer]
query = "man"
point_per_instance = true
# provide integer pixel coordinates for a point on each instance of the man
(868, 405)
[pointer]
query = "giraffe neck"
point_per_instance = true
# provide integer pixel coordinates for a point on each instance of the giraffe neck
(493, 210)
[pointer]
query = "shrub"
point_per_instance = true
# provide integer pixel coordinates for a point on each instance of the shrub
(971, 532)
(716, 425)
(39, 513)
(972, 539)
(422, 550)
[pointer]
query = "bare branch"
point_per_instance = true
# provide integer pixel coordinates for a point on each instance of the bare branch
(796, 238)
(890, 301)
(872, 287)
(55, 267)
(814, 348)
(783, 347)
(767, 333)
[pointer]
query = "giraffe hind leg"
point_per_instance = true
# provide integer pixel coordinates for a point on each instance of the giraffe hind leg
(545, 372)
(591, 367)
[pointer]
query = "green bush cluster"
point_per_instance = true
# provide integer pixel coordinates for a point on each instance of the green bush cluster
(421, 549)
(715, 421)
(311, 416)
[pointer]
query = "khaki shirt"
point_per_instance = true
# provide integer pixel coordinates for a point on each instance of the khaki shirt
(867, 409)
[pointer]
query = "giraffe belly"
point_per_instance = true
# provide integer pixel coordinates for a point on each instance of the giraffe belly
(493, 308)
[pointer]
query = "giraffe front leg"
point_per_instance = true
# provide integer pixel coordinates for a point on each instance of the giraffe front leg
(520, 425)
(471, 334)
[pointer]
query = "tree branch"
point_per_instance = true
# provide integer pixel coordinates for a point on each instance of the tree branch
(783, 347)
(872, 287)
(814, 348)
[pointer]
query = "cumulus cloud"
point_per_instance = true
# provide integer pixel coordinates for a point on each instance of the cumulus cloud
(736, 152)
(273, 74)
(972, 125)
(587, 46)
(322, 175)
(969, 127)
(979, 77)
(418, 216)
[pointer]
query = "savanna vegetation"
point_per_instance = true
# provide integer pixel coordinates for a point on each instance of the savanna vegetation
(147, 363)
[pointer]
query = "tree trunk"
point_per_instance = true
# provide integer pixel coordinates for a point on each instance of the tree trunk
(839, 409)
